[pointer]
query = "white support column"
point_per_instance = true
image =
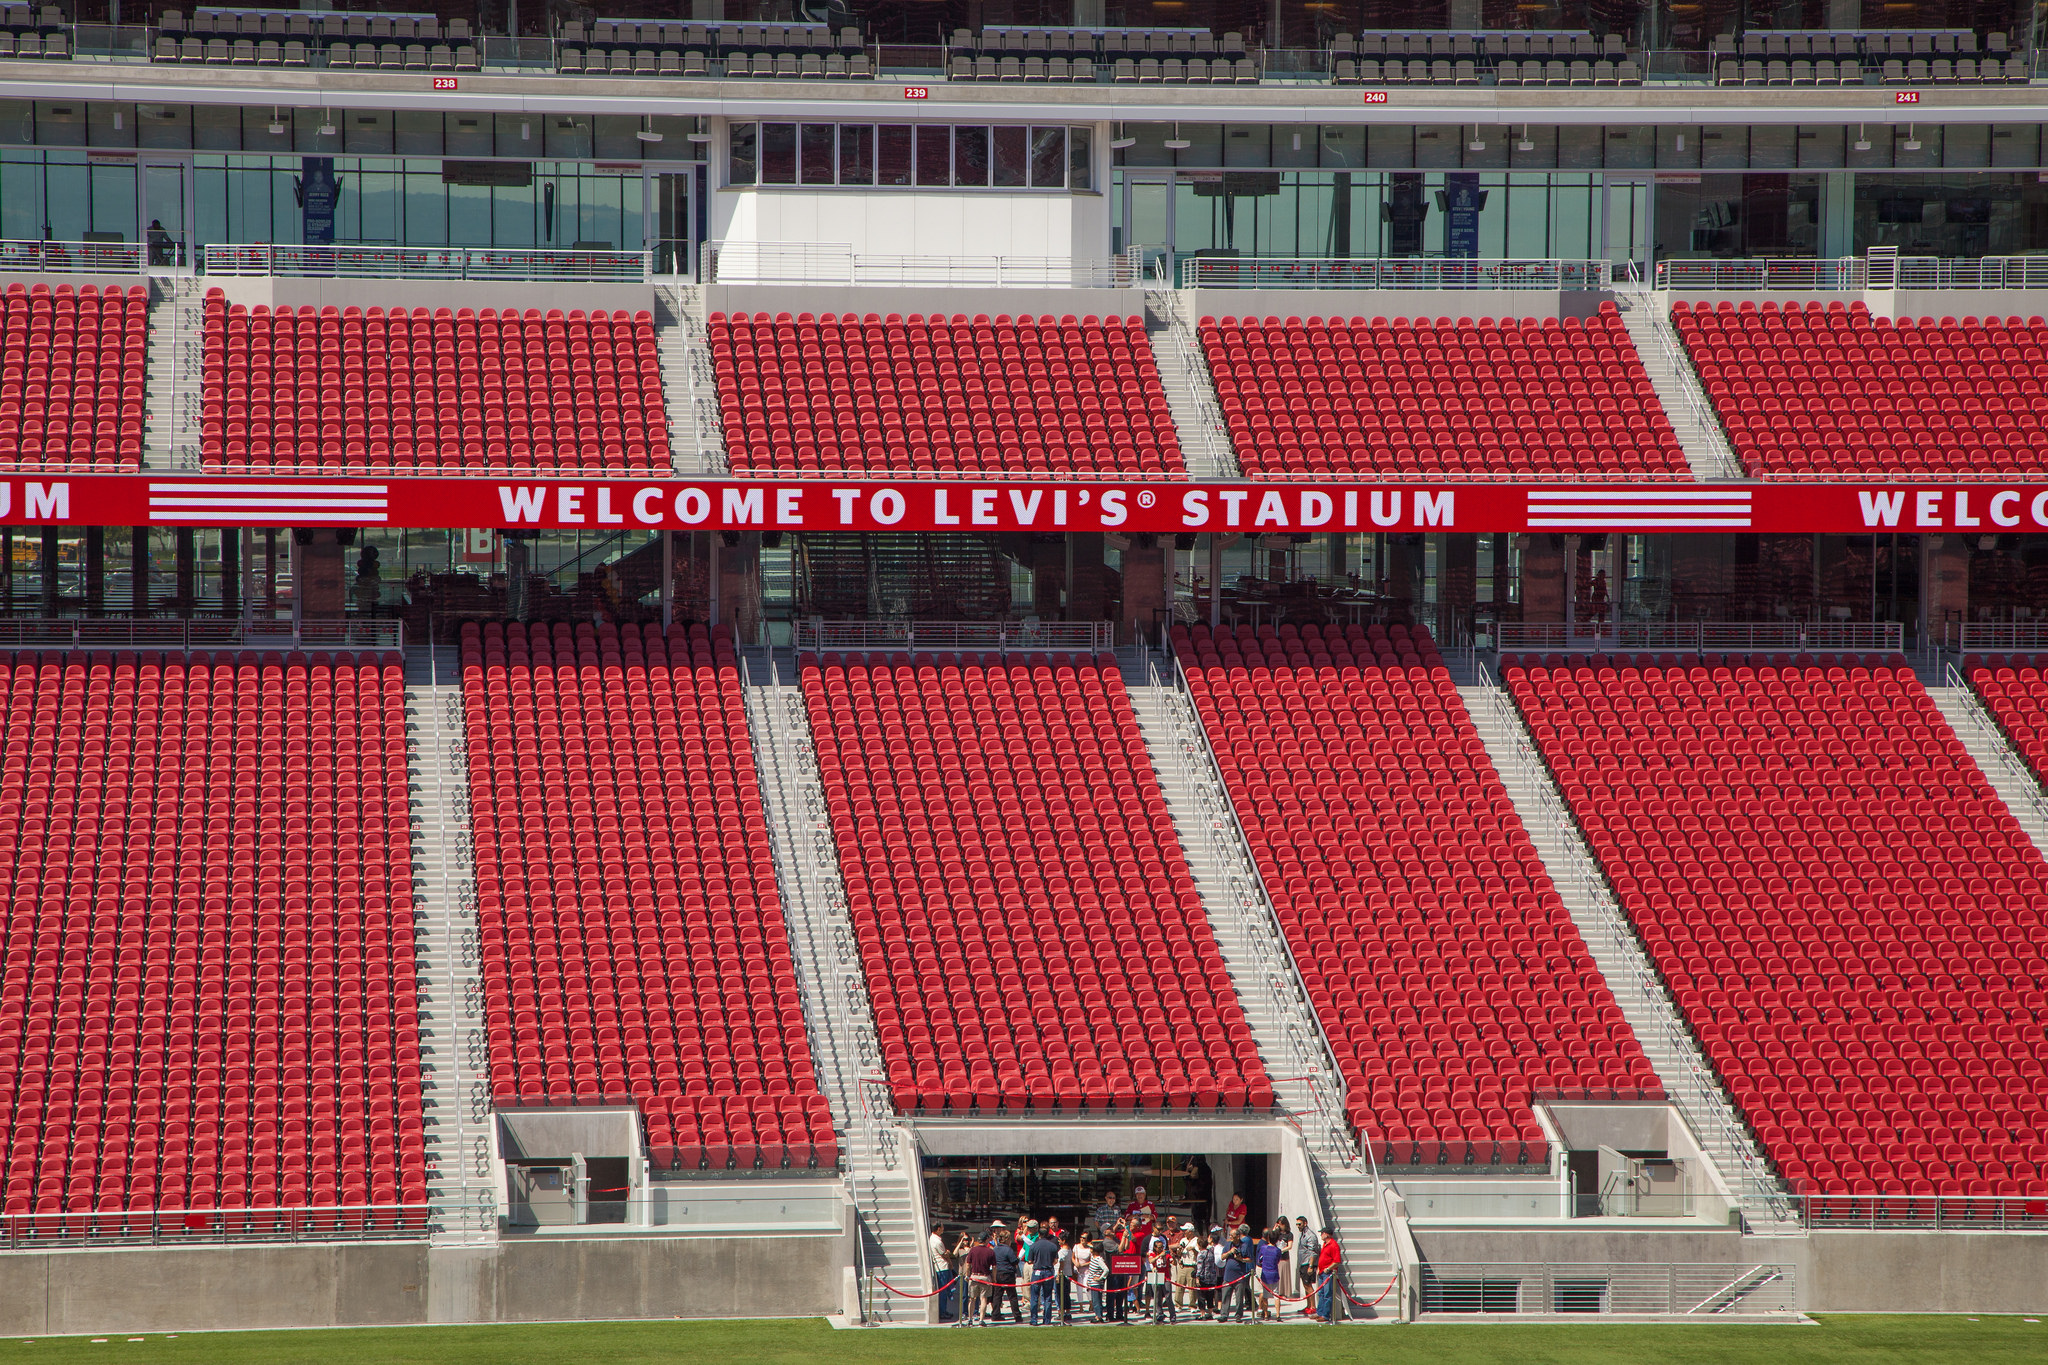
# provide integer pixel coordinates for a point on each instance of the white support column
(1837, 214)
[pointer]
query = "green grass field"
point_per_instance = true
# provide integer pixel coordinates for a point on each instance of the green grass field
(1847, 1340)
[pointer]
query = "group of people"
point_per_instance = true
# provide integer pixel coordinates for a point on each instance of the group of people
(1128, 1264)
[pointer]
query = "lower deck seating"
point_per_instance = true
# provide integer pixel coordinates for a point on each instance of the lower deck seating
(1444, 397)
(207, 997)
(2017, 697)
(1846, 914)
(1032, 937)
(634, 946)
(1446, 971)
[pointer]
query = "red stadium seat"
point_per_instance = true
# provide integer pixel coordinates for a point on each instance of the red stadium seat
(1845, 913)
(208, 998)
(345, 390)
(941, 397)
(1819, 391)
(1445, 969)
(634, 946)
(71, 377)
(1443, 398)
(1032, 937)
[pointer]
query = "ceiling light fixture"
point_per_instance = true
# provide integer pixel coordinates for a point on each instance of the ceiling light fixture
(1526, 144)
(327, 128)
(1177, 143)
(276, 123)
(1478, 142)
(1119, 143)
(647, 133)
(1912, 143)
(700, 138)
(1862, 143)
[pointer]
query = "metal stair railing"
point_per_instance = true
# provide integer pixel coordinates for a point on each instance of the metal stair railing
(1993, 734)
(1309, 1054)
(1694, 1089)
(1184, 364)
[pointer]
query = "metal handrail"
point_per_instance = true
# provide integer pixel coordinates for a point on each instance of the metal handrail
(102, 632)
(1656, 315)
(1230, 848)
(428, 263)
(162, 1227)
(73, 258)
(823, 636)
(1999, 637)
(1828, 274)
(1703, 637)
(1394, 272)
(1192, 365)
(1694, 1091)
(2016, 768)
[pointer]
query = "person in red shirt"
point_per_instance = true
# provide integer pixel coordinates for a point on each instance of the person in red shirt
(1140, 1215)
(1326, 1277)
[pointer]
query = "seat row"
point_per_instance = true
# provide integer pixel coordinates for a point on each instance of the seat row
(633, 940)
(1031, 935)
(1846, 915)
(1438, 955)
(1363, 396)
(72, 384)
(207, 993)
(290, 389)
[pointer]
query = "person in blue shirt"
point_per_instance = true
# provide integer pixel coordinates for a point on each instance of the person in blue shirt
(1271, 1258)
(1041, 1265)
(1003, 1271)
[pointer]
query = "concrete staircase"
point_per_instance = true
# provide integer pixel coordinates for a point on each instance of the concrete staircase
(880, 1157)
(2007, 772)
(1678, 388)
(1283, 1023)
(1190, 393)
(1620, 956)
(688, 383)
(176, 369)
(455, 1079)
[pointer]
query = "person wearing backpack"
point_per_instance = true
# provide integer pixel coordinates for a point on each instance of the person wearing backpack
(1209, 1274)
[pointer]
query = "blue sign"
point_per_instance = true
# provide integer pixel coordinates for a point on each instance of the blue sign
(1462, 201)
(319, 192)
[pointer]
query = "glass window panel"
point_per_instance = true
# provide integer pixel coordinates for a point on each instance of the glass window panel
(1821, 146)
(778, 153)
(1254, 144)
(1048, 158)
(1578, 148)
(618, 135)
(163, 125)
(1343, 146)
(1080, 162)
(2015, 144)
(1966, 144)
(103, 118)
(1725, 147)
(970, 157)
(17, 123)
(740, 161)
(1439, 146)
(856, 154)
(819, 153)
(934, 156)
(372, 132)
(1013, 156)
(1771, 147)
(62, 123)
(568, 135)
(1630, 149)
(418, 134)
(892, 154)
(470, 135)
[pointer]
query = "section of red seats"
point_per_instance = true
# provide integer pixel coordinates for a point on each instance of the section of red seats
(941, 395)
(71, 377)
(1446, 971)
(345, 389)
(1833, 390)
(1846, 914)
(208, 997)
(1031, 934)
(634, 946)
(2017, 697)
(1441, 397)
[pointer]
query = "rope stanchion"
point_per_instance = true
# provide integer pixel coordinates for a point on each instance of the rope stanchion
(960, 1280)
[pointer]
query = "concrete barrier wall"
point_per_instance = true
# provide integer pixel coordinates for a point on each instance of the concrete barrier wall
(886, 299)
(535, 1279)
(103, 282)
(479, 294)
(1929, 1272)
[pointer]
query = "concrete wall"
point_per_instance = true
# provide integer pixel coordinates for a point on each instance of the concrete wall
(478, 294)
(535, 1279)
(104, 282)
(899, 222)
(1394, 303)
(884, 300)
(1931, 1272)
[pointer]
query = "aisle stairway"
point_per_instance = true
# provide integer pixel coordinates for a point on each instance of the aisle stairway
(455, 1086)
(880, 1158)
(1646, 315)
(696, 437)
(1190, 393)
(2007, 772)
(1665, 1039)
(171, 407)
(1241, 917)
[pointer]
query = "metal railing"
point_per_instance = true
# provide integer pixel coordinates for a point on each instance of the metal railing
(1184, 368)
(2019, 773)
(1831, 274)
(460, 948)
(1638, 1289)
(429, 263)
(916, 637)
(691, 384)
(375, 633)
(1309, 1053)
(192, 1227)
(1995, 637)
(1689, 1081)
(1932, 1212)
(837, 263)
(1327, 272)
(73, 258)
(1647, 313)
(1701, 637)
(1709, 1206)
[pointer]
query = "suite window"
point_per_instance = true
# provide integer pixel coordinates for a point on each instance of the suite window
(975, 156)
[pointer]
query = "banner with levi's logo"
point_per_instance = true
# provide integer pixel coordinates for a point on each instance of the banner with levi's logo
(1044, 505)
